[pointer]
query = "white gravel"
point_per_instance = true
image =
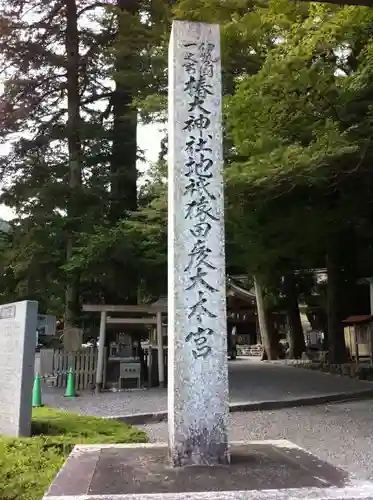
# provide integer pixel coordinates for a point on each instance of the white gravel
(341, 434)
(249, 381)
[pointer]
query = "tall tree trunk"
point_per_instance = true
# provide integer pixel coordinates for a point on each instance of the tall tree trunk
(123, 169)
(74, 146)
(269, 339)
(335, 302)
(296, 336)
(124, 150)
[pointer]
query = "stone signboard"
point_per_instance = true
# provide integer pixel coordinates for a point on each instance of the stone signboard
(18, 322)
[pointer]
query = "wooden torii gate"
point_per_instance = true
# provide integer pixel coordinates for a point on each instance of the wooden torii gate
(153, 315)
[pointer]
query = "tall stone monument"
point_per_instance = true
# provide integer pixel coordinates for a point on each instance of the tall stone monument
(197, 326)
(18, 323)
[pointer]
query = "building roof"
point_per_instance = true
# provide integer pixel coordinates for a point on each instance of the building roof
(240, 291)
(359, 319)
(232, 288)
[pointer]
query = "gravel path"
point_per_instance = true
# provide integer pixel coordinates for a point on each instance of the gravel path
(341, 434)
(250, 381)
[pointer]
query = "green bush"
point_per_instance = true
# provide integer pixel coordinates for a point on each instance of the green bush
(28, 465)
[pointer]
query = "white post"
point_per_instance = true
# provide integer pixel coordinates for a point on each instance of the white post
(197, 325)
(100, 354)
(160, 350)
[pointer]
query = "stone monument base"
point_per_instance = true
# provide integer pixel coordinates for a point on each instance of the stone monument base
(268, 470)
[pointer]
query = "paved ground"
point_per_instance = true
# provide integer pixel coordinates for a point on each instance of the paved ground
(250, 381)
(341, 434)
(147, 474)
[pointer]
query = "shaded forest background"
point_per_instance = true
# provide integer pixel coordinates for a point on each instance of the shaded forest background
(80, 75)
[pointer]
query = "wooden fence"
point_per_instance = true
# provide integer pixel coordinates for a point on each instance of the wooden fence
(56, 363)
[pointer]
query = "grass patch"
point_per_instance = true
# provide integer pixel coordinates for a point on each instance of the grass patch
(28, 465)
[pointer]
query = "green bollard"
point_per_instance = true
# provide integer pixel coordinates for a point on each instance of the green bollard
(36, 393)
(70, 387)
